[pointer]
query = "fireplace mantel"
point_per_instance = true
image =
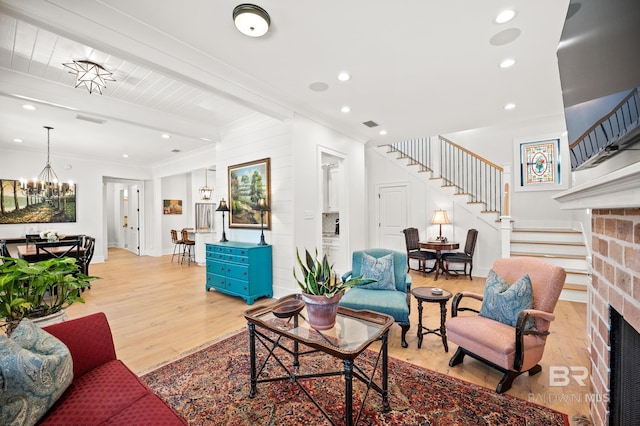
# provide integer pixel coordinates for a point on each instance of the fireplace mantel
(618, 189)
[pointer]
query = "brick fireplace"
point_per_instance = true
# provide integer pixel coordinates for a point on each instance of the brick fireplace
(615, 283)
(613, 195)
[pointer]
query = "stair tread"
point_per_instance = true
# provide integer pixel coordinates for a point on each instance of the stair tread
(558, 243)
(548, 230)
(548, 255)
(577, 287)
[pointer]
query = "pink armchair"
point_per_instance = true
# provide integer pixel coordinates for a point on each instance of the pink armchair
(511, 350)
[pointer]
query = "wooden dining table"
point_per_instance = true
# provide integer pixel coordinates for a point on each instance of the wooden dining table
(438, 247)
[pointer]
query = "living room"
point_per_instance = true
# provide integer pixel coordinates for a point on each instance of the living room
(294, 143)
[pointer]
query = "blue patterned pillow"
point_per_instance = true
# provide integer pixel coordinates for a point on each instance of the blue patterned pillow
(35, 369)
(379, 269)
(503, 302)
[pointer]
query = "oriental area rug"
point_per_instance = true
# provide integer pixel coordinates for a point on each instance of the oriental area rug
(211, 387)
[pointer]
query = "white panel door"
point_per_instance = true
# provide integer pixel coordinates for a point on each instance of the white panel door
(133, 231)
(392, 216)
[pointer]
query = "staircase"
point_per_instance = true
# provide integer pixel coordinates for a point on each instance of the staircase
(562, 247)
(480, 181)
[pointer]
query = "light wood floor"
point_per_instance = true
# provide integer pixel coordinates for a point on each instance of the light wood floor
(158, 310)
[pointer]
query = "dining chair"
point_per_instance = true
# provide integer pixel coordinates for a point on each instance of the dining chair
(464, 257)
(412, 243)
(177, 244)
(189, 246)
(4, 250)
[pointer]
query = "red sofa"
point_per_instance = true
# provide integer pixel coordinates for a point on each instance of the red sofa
(104, 391)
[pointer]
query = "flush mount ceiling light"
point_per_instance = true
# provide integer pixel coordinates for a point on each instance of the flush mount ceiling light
(92, 75)
(251, 20)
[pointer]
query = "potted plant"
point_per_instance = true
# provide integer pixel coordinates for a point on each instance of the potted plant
(322, 289)
(52, 235)
(39, 289)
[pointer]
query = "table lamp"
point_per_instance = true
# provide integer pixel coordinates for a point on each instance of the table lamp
(222, 207)
(263, 207)
(440, 217)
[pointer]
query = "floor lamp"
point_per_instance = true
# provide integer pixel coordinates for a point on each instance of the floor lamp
(222, 207)
(263, 207)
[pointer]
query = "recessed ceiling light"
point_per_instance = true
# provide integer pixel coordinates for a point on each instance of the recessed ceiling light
(505, 16)
(166, 136)
(16, 140)
(125, 155)
(345, 109)
(383, 132)
(29, 107)
(344, 76)
(507, 63)
(318, 86)
(510, 106)
(205, 139)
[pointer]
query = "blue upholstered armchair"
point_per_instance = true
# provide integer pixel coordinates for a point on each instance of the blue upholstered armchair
(393, 299)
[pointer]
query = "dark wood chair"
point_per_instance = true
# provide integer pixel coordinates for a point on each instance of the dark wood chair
(33, 238)
(412, 243)
(465, 257)
(4, 250)
(87, 246)
(59, 249)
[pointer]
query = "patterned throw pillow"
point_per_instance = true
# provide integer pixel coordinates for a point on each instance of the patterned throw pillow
(380, 269)
(35, 369)
(503, 302)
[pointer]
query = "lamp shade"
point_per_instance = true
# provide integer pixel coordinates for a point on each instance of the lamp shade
(262, 205)
(251, 20)
(440, 217)
(222, 207)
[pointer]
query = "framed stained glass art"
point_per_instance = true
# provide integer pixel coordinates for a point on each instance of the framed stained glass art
(540, 164)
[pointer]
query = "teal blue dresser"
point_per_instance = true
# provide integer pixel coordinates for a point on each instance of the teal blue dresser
(240, 269)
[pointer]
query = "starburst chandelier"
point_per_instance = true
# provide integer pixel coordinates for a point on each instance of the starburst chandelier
(90, 74)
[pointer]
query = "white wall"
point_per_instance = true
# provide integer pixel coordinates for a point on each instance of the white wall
(310, 140)
(266, 138)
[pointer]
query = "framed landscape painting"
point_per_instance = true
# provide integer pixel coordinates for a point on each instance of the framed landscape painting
(25, 202)
(249, 182)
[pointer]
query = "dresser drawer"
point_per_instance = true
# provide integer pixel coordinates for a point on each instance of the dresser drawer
(238, 286)
(216, 267)
(216, 281)
(238, 272)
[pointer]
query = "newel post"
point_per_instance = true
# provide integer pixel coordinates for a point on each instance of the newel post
(505, 225)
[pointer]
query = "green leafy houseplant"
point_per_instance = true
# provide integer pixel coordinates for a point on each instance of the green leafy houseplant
(35, 290)
(318, 278)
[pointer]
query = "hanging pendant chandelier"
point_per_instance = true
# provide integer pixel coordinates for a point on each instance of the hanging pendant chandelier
(206, 191)
(46, 187)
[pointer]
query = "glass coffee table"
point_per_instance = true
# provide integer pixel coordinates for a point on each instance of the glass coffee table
(353, 333)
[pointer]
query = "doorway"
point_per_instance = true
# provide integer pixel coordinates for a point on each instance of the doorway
(124, 215)
(392, 216)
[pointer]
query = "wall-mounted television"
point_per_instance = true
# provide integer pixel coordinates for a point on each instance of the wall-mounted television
(599, 64)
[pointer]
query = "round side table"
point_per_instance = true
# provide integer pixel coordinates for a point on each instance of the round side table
(424, 294)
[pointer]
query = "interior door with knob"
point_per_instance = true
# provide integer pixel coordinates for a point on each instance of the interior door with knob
(132, 230)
